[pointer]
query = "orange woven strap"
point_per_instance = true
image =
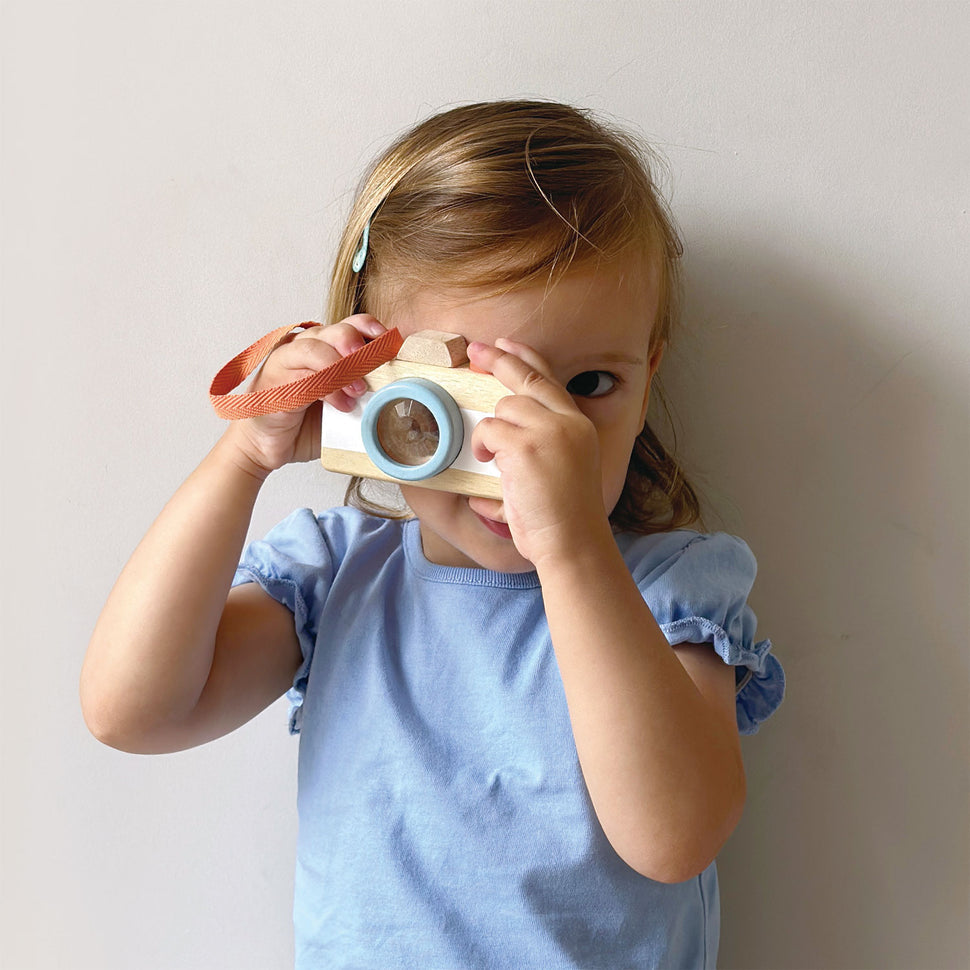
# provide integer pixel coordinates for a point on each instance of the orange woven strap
(296, 394)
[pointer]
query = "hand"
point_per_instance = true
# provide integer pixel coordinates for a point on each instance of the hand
(547, 451)
(271, 441)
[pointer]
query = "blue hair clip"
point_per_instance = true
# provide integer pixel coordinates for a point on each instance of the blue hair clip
(361, 254)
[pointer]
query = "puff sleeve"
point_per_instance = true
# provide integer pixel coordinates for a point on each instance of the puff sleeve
(697, 587)
(295, 565)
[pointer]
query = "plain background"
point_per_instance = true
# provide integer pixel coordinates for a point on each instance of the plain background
(175, 175)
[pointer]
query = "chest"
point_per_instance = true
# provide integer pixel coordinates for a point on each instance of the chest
(439, 686)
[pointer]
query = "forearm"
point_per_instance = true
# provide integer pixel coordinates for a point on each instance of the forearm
(661, 763)
(152, 648)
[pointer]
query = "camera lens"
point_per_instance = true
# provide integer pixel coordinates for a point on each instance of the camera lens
(412, 429)
(407, 432)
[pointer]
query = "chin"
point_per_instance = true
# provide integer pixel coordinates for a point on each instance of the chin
(475, 548)
(508, 562)
(453, 535)
(498, 556)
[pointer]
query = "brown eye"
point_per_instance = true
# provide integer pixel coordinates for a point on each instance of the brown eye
(591, 383)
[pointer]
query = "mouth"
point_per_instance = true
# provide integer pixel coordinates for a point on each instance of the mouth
(493, 525)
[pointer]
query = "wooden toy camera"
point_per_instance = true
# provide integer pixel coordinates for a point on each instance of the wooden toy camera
(414, 424)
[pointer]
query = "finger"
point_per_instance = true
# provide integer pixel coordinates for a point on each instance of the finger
(349, 334)
(523, 371)
(480, 438)
(524, 352)
(524, 425)
(494, 438)
(315, 350)
(484, 356)
(346, 337)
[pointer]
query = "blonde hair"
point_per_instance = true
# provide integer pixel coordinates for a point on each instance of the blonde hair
(510, 193)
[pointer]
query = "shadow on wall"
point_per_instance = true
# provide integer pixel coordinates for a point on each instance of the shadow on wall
(836, 431)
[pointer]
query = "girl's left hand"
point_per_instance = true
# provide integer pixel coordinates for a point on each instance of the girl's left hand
(548, 454)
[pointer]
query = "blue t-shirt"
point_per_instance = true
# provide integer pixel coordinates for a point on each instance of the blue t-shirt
(443, 819)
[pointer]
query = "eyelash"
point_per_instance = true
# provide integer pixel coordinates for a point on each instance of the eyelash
(575, 385)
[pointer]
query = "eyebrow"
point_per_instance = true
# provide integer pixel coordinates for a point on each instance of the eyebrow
(611, 358)
(623, 358)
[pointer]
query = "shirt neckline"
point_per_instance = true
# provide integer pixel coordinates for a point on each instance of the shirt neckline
(458, 575)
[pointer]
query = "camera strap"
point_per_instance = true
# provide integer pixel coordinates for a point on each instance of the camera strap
(297, 394)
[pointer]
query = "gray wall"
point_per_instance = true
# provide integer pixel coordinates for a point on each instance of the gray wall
(174, 178)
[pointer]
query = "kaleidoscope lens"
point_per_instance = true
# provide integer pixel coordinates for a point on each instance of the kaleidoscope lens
(407, 432)
(412, 429)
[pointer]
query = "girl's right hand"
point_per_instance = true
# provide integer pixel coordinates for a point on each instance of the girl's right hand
(273, 440)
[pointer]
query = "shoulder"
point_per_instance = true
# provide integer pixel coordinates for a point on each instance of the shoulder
(310, 545)
(299, 560)
(309, 535)
(684, 556)
(697, 587)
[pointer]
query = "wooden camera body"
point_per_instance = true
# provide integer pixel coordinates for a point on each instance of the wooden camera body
(414, 424)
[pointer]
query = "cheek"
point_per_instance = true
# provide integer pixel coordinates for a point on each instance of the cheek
(615, 460)
(430, 504)
(419, 500)
(616, 446)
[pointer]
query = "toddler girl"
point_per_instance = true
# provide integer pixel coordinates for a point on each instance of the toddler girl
(519, 717)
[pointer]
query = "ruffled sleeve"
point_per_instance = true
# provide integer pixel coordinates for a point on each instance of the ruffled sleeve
(295, 565)
(697, 588)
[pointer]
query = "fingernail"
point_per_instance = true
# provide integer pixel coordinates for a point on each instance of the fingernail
(358, 387)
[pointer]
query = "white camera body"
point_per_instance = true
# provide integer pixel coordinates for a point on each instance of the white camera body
(415, 422)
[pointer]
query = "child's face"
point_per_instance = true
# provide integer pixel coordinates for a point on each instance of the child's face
(590, 321)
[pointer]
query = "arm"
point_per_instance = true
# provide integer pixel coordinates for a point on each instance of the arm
(176, 659)
(654, 727)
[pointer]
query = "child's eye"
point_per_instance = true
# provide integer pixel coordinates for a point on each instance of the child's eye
(591, 383)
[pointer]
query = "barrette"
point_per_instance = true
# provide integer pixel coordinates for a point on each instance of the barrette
(361, 254)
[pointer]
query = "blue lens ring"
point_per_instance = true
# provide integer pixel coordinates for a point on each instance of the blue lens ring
(443, 408)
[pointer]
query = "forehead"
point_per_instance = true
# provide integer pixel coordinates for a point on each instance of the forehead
(606, 309)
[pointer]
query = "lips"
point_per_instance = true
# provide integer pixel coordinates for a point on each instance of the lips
(498, 528)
